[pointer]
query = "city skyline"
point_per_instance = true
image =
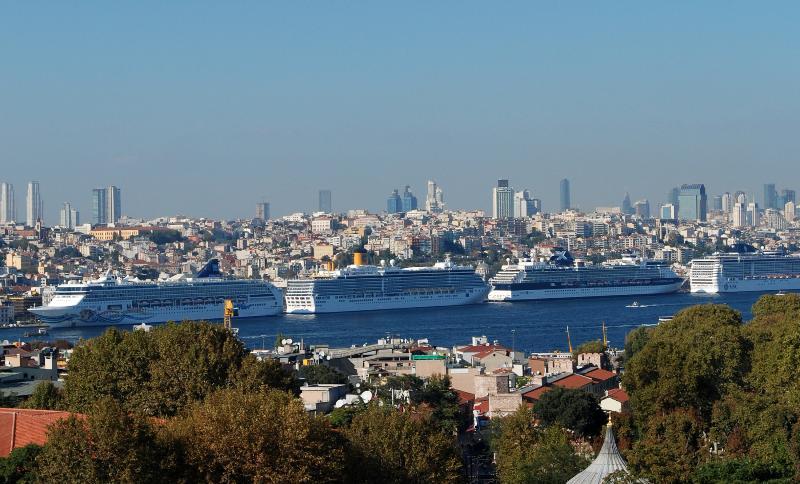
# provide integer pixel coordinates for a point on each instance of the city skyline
(606, 97)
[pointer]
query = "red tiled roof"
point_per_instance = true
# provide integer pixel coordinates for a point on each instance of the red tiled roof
(618, 394)
(464, 397)
(20, 427)
(536, 393)
(573, 381)
(600, 375)
(479, 348)
(483, 354)
(481, 405)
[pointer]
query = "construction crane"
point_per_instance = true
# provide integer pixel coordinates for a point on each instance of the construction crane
(605, 337)
(230, 312)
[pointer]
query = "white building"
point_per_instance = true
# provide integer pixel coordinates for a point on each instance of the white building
(434, 200)
(34, 204)
(502, 200)
(8, 210)
(523, 204)
(70, 217)
(790, 211)
(739, 215)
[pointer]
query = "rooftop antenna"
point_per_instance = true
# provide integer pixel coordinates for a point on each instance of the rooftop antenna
(569, 341)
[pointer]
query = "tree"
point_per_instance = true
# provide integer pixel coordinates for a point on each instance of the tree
(595, 346)
(20, 465)
(235, 436)
(162, 371)
(45, 397)
(527, 454)
(576, 410)
(689, 362)
(437, 394)
(387, 445)
(110, 445)
(316, 374)
(635, 340)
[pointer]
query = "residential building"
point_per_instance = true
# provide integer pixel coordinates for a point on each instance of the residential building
(790, 211)
(727, 202)
(739, 215)
(753, 214)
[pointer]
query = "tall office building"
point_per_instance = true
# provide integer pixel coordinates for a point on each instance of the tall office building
(325, 204)
(770, 196)
(409, 200)
(434, 199)
(523, 204)
(753, 215)
(787, 196)
(673, 196)
(34, 204)
(99, 206)
(716, 203)
(727, 202)
(8, 209)
(668, 212)
(70, 218)
(262, 211)
(502, 200)
(642, 208)
(739, 215)
(692, 202)
(114, 208)
(566, 203)
(394, 204)
(790, 211)
(740, 197)
(627, 208)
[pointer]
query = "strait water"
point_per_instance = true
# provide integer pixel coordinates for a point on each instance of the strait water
(530, 326)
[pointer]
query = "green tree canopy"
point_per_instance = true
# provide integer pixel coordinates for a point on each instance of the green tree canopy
(316, 374)
(162, 371)
(527, 454)
(45, 397)
(20, 467)
(390, 446)
(234, 436)
(575, 410)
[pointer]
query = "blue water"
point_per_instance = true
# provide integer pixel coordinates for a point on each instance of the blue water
(530, 326)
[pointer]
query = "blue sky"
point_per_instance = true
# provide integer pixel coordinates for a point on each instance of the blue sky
(205, 108)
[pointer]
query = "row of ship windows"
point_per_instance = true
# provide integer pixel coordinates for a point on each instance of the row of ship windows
(299, 299)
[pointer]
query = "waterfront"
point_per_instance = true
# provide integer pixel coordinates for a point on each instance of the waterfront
(530, 325)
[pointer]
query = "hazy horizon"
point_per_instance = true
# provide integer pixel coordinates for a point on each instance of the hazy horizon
(205, 109)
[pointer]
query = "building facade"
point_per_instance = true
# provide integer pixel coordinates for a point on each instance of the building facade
(325, 201)
(8, 209)
(693, 202)
(502, 200)
(566, 202)
(34, 204)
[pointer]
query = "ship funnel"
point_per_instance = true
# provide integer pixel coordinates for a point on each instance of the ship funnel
(359, 258)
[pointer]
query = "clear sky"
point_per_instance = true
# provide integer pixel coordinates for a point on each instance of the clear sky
(205, 108)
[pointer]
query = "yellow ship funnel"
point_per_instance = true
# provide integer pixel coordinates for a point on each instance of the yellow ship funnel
(359, 258)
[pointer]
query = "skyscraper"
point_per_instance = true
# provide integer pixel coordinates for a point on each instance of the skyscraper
(523, 204)
(114, 207)
(627, 208)
(753, 215)
(642, 208)
(434, 199)
(770, 196)
(409, 200)
(34, 204)
(262, 211)
(99, 206)
(790, 211)
(739, 215)
(667, 212)
(70, 218)
(566, 203)
(325, 204)
(787, 196)
(692, 202)
(727, 202)
(716, 203)
(502, 200)
(8, 209)
(673, 197)
(394, 204)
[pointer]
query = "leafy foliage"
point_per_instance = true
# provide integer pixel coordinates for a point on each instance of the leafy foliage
(386, 445)
(162, 371)
(316, 374)
(595, 346)
(20, 465)
(235, 436)
(575, 410)
(45, 397)
(527, 454)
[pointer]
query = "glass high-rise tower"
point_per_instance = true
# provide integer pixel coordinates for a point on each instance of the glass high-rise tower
(566, 203)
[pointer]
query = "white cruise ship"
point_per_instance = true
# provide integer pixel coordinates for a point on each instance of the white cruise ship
(745, 270)
(111, 300)
(360, 287)
(560, 276)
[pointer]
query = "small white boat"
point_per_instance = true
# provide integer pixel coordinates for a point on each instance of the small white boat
(142, 327)
(634, 304)
(780, 293)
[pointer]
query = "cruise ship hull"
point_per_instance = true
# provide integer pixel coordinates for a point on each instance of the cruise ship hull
(582, 292)
(342, 304)
(76, 317)
(748, 285)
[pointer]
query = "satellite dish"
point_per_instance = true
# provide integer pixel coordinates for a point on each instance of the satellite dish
(284, 341)
(288, 341)
(366, 396)
(339, 403)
